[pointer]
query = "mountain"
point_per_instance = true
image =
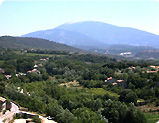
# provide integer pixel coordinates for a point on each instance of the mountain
(92, 33)
(36, 43)
(71, 38)
(100, 37)
(111, 34)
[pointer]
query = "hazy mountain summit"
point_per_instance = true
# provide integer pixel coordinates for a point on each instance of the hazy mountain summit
(65, 36)
(92, 33)
(111, 34)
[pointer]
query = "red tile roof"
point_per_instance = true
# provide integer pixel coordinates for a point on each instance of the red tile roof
(2, 99)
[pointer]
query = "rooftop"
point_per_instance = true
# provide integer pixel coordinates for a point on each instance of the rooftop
(120, 80)
(114, 83)
(2, 99)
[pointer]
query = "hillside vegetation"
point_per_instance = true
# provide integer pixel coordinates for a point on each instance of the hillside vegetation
(35, 43)
(148, 54)
(72, 88)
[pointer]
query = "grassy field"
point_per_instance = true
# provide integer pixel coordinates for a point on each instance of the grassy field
(35, 54)
(101, 91)
(71, 84)
(152, 117)
(1, 61)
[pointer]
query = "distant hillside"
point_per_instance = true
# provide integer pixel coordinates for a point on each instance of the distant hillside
(119, 48)
(148, 54)
(71, 38)
(36, 43)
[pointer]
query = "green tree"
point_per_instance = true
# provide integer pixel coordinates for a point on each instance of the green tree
(117, 112)
(128, 96)
(98, 104)
(53, 108)
(36, 119)
(65, 116)
(2, 87)
(85, 115)
(25, 64)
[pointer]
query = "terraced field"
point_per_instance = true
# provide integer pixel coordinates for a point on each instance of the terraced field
(101, 91)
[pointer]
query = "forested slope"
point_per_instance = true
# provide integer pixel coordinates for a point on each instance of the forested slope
(36, 43)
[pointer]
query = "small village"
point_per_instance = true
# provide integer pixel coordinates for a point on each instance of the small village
(34, 70)
(122, 83)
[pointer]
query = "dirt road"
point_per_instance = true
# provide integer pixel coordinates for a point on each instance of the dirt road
(9, 114)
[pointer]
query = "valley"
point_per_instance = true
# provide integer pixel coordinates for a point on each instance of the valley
(79, 61)
(71, 84)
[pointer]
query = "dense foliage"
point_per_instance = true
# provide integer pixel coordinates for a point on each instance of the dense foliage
(72, 87)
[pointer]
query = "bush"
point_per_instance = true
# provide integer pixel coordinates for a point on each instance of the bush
(17, 116)
(65, 117)
(128, 96)
(36, 119)
(4, 111)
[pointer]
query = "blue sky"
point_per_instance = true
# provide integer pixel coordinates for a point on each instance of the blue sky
(21, 17)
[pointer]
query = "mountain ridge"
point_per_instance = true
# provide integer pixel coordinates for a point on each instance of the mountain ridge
(112, 34)
(66, 37)
(98, 34)
(36, 43)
